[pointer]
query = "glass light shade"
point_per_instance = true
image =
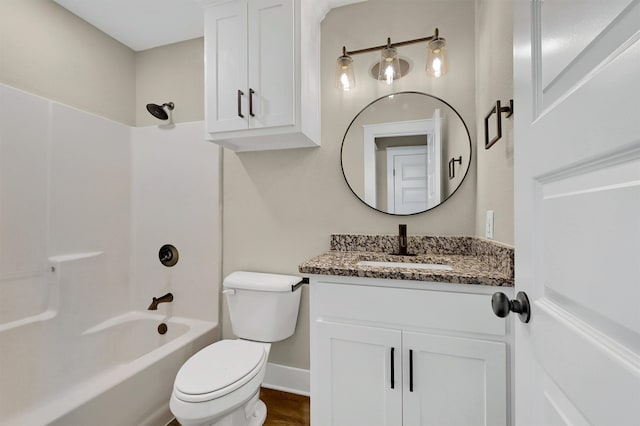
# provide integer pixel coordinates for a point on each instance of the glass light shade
(437, 64)
(389, 69)
(345, 79)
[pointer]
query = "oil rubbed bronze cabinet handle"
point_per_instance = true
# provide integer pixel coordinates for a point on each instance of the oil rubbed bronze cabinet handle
(240, 94)
(393, 373)
(410, 370)
(251, 92)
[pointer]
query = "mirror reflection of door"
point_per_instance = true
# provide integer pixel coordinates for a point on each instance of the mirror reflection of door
(407, 181)
(381, 190)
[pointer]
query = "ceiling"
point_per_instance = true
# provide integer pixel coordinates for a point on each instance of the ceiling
(142, 24)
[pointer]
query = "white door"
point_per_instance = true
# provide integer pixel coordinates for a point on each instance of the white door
(577, 211)
(407, 179)
(226, 67)
(453, 381)
(356, 384)
(271, 63)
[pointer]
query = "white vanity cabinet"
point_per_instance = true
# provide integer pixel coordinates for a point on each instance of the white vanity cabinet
(262, 74)
(431, 354)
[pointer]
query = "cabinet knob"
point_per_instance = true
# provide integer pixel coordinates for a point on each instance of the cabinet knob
(501, 305)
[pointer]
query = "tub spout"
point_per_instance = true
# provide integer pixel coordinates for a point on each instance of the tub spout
(157, 300)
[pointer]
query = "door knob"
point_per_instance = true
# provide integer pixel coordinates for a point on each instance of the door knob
(501, 305)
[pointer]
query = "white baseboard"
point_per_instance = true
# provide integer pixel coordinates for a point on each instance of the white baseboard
(287, 379)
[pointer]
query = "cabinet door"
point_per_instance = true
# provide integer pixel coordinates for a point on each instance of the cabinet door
(456, 381)
(226, 67)
(353, 376)
(272, 77)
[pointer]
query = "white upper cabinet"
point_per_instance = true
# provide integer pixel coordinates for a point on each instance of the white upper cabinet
(262, 74)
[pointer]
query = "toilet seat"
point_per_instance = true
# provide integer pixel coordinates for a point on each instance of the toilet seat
(218, 369)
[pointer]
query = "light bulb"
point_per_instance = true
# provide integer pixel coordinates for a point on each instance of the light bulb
(437, 67)
(388, 73)
(344, 81)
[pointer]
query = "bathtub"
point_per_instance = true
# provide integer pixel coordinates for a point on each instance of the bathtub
(63, 367)
(119, 372)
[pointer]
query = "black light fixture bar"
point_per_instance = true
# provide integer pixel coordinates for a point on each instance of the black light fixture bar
(390, 67)
(389, 44)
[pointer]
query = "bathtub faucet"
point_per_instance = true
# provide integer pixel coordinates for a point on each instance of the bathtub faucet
(164, 299)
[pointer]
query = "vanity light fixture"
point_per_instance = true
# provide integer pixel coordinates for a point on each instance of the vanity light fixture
(390, 66)
(345, 79)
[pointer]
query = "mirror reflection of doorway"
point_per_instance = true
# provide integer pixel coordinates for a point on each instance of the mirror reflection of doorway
(411, 182)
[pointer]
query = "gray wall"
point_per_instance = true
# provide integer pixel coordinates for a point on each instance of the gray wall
(280, 207)
(494, 75)
(175, 73)
(47, 51)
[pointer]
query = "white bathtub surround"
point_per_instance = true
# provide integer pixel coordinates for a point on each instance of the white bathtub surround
(175, 192)
(64, 188)
(84, 205)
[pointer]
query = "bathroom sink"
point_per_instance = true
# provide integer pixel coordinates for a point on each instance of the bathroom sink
(431, 266)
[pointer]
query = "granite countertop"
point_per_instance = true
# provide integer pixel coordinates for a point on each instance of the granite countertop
(473, 260)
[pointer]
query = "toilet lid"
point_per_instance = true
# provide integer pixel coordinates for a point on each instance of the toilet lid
(218, 366)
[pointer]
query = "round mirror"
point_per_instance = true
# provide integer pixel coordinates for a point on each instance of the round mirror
(406, 153)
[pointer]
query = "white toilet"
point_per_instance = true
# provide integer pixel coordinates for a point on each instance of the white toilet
(220, 384)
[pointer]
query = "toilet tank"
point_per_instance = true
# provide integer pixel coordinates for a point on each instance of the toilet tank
(262, 306)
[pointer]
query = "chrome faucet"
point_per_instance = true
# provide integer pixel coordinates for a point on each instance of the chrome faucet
(163, 299)
(402, 240)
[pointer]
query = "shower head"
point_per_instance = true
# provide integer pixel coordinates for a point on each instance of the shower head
(158, 111)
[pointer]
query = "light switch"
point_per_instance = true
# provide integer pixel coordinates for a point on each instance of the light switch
(489, 225)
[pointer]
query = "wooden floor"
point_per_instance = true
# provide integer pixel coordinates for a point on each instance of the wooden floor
(283, 409)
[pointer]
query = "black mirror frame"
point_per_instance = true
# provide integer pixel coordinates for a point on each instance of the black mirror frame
(402, 93)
